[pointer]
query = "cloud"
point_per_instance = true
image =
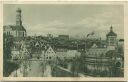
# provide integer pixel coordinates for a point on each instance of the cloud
(53, 27)
(98, 22)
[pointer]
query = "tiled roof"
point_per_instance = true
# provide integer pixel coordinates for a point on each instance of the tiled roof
(99, 44)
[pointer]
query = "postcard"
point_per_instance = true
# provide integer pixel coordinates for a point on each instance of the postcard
(64, 41)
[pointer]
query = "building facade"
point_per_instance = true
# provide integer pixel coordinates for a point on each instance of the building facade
(103, 60)
(50, 54)
(17, 30)
(20, 52)
(111, 39)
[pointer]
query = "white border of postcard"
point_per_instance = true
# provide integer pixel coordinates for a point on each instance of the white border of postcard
(65, 78)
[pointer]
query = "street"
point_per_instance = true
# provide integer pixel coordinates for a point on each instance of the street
(36, 69)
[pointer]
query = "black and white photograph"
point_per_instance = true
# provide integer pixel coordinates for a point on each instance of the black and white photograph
(63, 40)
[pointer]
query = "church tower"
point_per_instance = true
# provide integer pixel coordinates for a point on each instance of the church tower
(111, 39)
(18, 17)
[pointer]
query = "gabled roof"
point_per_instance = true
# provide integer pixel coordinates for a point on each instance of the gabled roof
(98, 45)
(50, 49)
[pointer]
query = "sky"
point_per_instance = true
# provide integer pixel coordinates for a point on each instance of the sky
(76, 20)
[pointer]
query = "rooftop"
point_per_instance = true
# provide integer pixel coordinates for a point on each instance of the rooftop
(15, 27)
(111, 33)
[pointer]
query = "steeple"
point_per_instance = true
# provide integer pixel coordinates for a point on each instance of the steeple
(18, 17)
(111, 39)
(111, 29)
(111, 33)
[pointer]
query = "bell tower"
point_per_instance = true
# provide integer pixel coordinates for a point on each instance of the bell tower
(111, 39)
(18, 17)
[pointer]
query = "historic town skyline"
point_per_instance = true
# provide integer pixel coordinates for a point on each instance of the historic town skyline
(78, 19)
(61, 56)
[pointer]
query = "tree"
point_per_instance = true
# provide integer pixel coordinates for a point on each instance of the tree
(8, 67)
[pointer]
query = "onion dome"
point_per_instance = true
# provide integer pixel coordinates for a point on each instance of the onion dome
(111, 33)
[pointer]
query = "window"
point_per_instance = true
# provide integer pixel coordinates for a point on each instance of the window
(118, 64)
(23, 34)
(7, 33)
(38, 58)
